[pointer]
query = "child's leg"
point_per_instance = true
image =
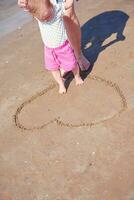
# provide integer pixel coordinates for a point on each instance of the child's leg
(62, 72)
(57, 76)
(77, 77)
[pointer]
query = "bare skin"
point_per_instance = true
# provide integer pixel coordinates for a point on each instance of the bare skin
(57, 74)
(58, 78)
(78, 79)
(73, 31)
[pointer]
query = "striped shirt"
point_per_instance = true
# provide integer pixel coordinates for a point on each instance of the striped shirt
(53, 32)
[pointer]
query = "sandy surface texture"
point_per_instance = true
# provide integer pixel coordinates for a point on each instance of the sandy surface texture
(11, 17)
(78, 146)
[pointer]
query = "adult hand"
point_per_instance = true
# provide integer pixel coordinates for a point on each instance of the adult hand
(23, 3)
(69, 4)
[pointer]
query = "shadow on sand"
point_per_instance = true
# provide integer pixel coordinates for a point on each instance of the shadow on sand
(98, 29)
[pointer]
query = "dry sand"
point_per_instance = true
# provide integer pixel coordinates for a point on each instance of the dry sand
(53, 148)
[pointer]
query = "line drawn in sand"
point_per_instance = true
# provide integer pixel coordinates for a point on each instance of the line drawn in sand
(60, 122)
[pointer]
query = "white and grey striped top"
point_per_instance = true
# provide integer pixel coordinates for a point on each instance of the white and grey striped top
(53, 33)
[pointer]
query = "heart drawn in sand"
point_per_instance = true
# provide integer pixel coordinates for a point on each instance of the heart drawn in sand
(96, 101)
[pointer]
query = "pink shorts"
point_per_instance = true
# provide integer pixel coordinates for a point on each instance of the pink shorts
(60, 57)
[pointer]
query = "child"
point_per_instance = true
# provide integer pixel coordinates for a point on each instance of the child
(59, 55)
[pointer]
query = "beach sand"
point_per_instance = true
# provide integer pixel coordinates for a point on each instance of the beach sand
(57, 149)
(11, 17)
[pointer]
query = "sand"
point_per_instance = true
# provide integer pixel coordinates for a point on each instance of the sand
(11, 17)
(53, 148)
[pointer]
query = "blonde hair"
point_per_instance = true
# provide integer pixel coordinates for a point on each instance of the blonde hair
(39, 8)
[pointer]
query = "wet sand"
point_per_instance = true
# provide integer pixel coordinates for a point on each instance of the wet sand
(57, 149)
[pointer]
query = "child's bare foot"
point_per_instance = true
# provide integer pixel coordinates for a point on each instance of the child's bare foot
(79, 80)
(62, 89)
